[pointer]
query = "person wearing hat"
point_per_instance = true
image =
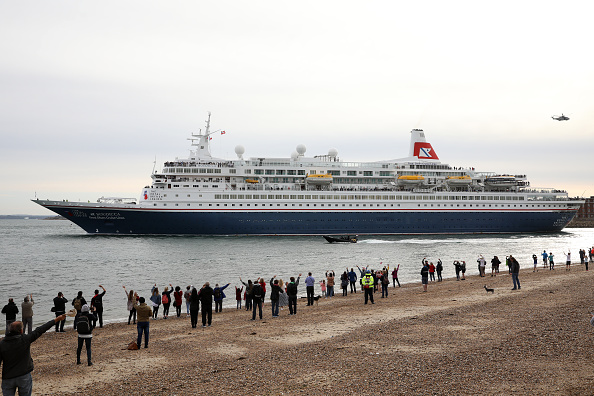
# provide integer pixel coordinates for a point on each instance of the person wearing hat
(15, 355)
(367, 282)
(27, 312)
(78, 303)
(10, 310)
(85, 332)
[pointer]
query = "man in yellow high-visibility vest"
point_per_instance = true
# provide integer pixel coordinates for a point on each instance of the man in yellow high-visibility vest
(367, 283)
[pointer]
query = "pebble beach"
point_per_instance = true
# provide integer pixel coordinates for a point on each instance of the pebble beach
(454, 339)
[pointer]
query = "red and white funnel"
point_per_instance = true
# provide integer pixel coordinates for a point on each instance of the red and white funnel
(419, 147)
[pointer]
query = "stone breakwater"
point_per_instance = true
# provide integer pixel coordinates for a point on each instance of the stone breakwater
(454, 339)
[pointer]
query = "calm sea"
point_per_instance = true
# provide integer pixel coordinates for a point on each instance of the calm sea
(43, 257)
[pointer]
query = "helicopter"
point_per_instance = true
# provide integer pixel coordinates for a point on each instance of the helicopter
(560, 118)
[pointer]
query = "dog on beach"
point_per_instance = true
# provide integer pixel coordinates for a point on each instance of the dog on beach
(316, 298)
(489, 290)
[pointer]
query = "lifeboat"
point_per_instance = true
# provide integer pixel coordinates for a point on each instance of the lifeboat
(319, 179)
(343, 238)
(410, 180)
(501, 181)
(459, 180)
(252, 181)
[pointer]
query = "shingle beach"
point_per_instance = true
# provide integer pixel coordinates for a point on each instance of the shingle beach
(455, 339)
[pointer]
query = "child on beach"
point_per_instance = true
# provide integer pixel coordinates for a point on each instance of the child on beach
(323, 287)
(238, 292)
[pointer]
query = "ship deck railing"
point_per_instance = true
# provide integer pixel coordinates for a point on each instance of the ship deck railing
(195, 164)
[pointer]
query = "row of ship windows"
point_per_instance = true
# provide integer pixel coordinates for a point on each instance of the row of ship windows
(195, 170)
(367, 197)
(276, 172)
(302, 172)
(384, 205)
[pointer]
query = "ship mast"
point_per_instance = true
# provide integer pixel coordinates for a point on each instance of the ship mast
(202, 141)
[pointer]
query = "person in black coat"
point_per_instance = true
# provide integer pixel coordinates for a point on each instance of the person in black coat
(275, 291)
(97, 303)
(206, 300)
(257, 298)
(10, 310)
(15, 356)
(60, 309)
(194, 307)
(292, 294)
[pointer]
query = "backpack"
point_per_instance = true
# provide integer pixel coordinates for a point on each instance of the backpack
(217, 293)
(165, 299)
(132, 346)
(257, 291)
(77, 304)
(83, 326)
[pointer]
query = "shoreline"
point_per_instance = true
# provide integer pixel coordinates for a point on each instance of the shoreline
(454, 338)
(229, 302)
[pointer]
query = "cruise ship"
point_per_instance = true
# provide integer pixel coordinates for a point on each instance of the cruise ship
(322, 195)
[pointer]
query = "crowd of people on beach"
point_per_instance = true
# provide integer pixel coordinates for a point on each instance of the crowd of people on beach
(249, 295)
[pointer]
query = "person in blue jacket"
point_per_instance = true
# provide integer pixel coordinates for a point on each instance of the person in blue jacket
(352, 280)
(219, 295)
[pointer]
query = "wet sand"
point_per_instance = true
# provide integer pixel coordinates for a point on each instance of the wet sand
(454, 339)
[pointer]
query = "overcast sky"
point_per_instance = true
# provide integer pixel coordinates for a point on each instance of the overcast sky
(92, 92)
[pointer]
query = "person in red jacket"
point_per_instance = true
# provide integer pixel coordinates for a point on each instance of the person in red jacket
(238, 292)
(177, 295)
(431, 272)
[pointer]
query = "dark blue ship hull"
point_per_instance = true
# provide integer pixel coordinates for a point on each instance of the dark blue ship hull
(135, 220)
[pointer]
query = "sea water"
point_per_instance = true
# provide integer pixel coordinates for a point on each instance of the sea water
(43, 257)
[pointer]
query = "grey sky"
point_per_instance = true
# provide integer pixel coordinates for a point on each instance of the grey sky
(92, 92)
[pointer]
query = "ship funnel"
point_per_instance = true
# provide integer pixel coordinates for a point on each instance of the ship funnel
(419, 147)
